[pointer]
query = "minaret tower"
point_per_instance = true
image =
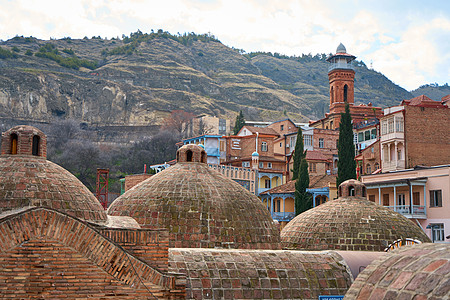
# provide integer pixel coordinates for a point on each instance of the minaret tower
(341, 76)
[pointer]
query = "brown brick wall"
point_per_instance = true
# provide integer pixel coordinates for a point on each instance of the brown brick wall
(330, 138)
(247, 145)
(368, 157)
(132, 180)
(427, 136)
(152, 246)
(46, 254)
(287, 126)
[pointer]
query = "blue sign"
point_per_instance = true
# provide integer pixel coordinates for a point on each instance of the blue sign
(329, 297)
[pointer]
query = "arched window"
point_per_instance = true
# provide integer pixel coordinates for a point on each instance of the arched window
(368, 169)
(264, 146)
(351, 191)
(189, 155)
(345, 93)
(35, 146)
(332, 94)
(13, 143)
(364, 192)
(377, 166)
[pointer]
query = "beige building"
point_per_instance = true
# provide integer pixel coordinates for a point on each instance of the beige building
(421, 194)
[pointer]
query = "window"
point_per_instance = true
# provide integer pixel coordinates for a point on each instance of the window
(278, 206)
(372, 150)
(368, 169)
(367, 135)
(385, 199)
(281, 145)
(264, 146)
(437, 232)
(320, 143)
(292, 141)
(261, 165)
(391, 125)
(377, 166)
(222, 145)
(401, 200)
(372, 198)
(373, 134)
(13, 143)
(282, 127)
(436, 198)
(399, 124)
(345, 92)
(361, 137)
(269, 165)
(307, 140)
(246, 164)
(399, 154)
(189, 155)
(267, 183)
(312, 167)
(384, 127)
(416, 198)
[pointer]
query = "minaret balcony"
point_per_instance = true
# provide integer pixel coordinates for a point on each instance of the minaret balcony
(341, 65)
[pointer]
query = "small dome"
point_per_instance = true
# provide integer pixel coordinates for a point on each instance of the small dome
(341, 49)
(191, 153)
(350, 222)
(200, 207)
(28, 179)
(255, 154)
(416, 271)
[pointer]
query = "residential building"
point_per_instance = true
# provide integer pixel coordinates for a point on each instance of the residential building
(421, 194)
(280, 201)
(207, 125)
(368, 160)
(415, 133)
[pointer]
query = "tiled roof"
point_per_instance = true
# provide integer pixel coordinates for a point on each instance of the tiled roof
(317, 155)
(261, 130)
(423, 101)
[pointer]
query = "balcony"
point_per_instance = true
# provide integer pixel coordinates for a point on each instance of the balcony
(418, 211)
(283, 216)
(393, 165)
(341, 65)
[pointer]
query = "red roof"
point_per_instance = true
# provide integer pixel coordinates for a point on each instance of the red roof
(261, 130)
(423, 101)
(316, 155)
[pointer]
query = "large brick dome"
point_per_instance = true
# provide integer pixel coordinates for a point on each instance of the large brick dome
(28, 179)
(350, 222)
(199, 206)
(411, 272)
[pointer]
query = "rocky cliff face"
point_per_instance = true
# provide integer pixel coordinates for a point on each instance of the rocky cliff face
(142, 87)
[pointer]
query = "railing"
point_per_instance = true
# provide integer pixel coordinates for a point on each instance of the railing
(341, 66)
(393, 165)
(283, 216)
(406, 209)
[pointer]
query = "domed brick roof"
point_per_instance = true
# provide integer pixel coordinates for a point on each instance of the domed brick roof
(28, 179)
(349, 223)
(410, 272)
(200, 207)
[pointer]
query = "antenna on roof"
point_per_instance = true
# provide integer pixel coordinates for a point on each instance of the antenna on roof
(371, 64)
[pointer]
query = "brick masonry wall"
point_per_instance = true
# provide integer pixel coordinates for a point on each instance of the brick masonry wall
(411, 272)
(25, 136)
(427, 136)
(152, 246)
(132, 180)
(260, 274)
(46, 254)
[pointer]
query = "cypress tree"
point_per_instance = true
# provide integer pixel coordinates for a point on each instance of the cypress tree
(239, 123)
(298, 154)
(346, 149)
(303, 200)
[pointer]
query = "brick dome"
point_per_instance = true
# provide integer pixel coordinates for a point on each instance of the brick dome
(410, 272)
(28, 179)
(349, 223)
(200, 207)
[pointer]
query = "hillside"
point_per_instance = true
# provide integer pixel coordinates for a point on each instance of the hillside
(137, 81)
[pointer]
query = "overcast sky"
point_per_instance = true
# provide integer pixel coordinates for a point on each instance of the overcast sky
(408, 41)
